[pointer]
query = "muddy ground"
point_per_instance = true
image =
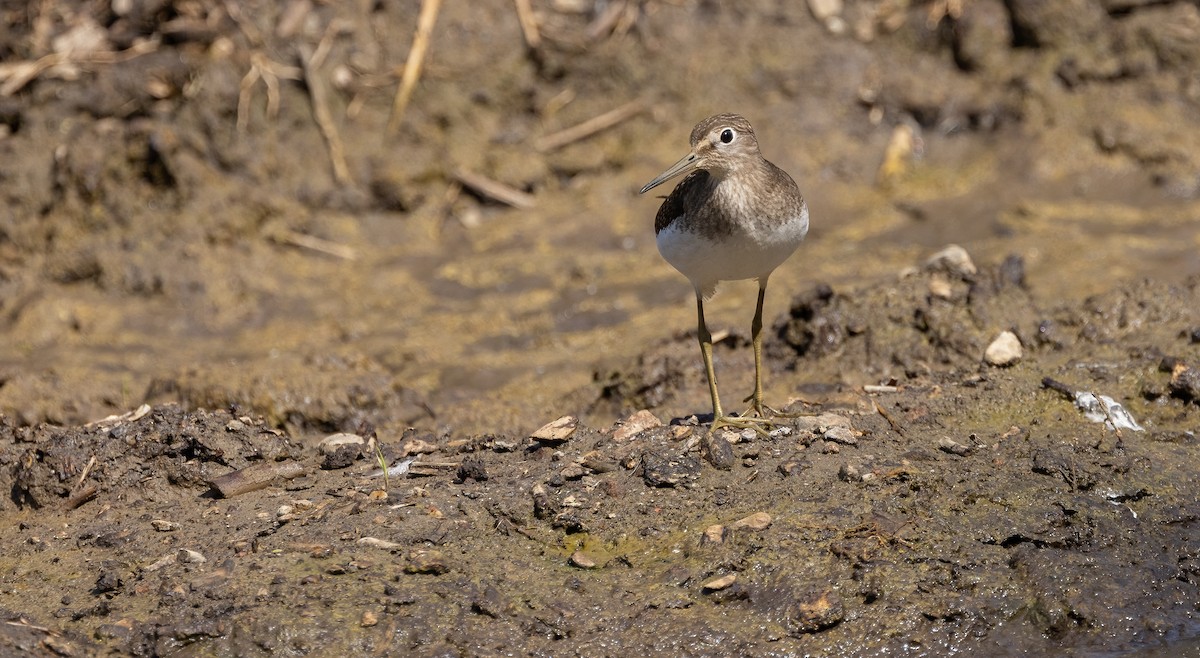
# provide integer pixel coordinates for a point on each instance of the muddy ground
(230, 291)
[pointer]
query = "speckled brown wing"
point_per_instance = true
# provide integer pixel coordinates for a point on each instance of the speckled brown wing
(674, 206)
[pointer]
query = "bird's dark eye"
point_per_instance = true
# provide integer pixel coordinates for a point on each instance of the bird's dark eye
(726, 136)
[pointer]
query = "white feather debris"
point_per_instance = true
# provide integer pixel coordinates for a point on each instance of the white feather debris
(1103, 409)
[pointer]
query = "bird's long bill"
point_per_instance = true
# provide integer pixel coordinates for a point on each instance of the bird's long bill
(685, 165)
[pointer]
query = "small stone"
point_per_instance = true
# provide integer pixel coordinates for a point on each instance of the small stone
(556, 432)
(284, 513)
(850, 473)
(756, 521)
(781, 431)
(841, 434)
(427, 562)
(1185, 382)
(820, 424)
(597, 462)
(188, 556)
(793, 466)
(376, 542)
(635, 424)
(1004, 351)
(953, 259)
(939, 286)
(681, 432)
(570, 522)
(107, 581)
(661, 471)
(235, 425)
(713, 534)
(163, 525)
(830, 448)
(368, 619)
(718, 584)
(582, 560)
(544, 506)
(717, 452)
(472, 468)
(953, 447)
(814, 613)
(334, 442)
(417, 447)
(573, 472)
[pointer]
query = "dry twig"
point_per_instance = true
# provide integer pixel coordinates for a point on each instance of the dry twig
(320, 104)
(320, 245)
(269, 71)
(589, 127)
(494, 189)
(529, 27)
(412, 66)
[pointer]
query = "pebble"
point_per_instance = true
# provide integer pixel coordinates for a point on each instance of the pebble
(543, 505)
(368, 619)
(1005, 350)
(556, 432)
(635, 424)
(953, 259)
(714, 534)
(717, 452)
(814, 613)
(718, 584)
(427, 562)
(794, 466)
(1185, 381)
(756, 521)
(417, 447)
(850, 473)
(830, 448)
(582, 560)
(681, 432)
(334, 442)
(662, 471)
(939, 286)
(472, 468)
(188, 556)
(376, 542)
(953, 447)
(163, 525)
(841, 434)
(598, 462)
(821, 424)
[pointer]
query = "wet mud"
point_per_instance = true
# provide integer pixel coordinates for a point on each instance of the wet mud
(233, 297)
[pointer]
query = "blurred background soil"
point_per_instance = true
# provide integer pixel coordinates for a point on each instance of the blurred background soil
(177, 227)
(241, 208)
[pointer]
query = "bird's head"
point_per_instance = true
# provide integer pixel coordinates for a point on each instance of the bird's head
(720, 144)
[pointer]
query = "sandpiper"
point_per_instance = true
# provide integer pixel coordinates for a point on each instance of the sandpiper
(734, 216)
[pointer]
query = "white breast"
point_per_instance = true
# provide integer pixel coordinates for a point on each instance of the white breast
(752, 254)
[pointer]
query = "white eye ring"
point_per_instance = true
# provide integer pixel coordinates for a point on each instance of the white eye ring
(727, 135)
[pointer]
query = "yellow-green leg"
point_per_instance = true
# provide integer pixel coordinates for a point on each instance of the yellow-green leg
(719, 418)
(756, 340)
(757, 406)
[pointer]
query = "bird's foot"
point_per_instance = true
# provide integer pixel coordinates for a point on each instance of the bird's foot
(760, 410)
(759, 425)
